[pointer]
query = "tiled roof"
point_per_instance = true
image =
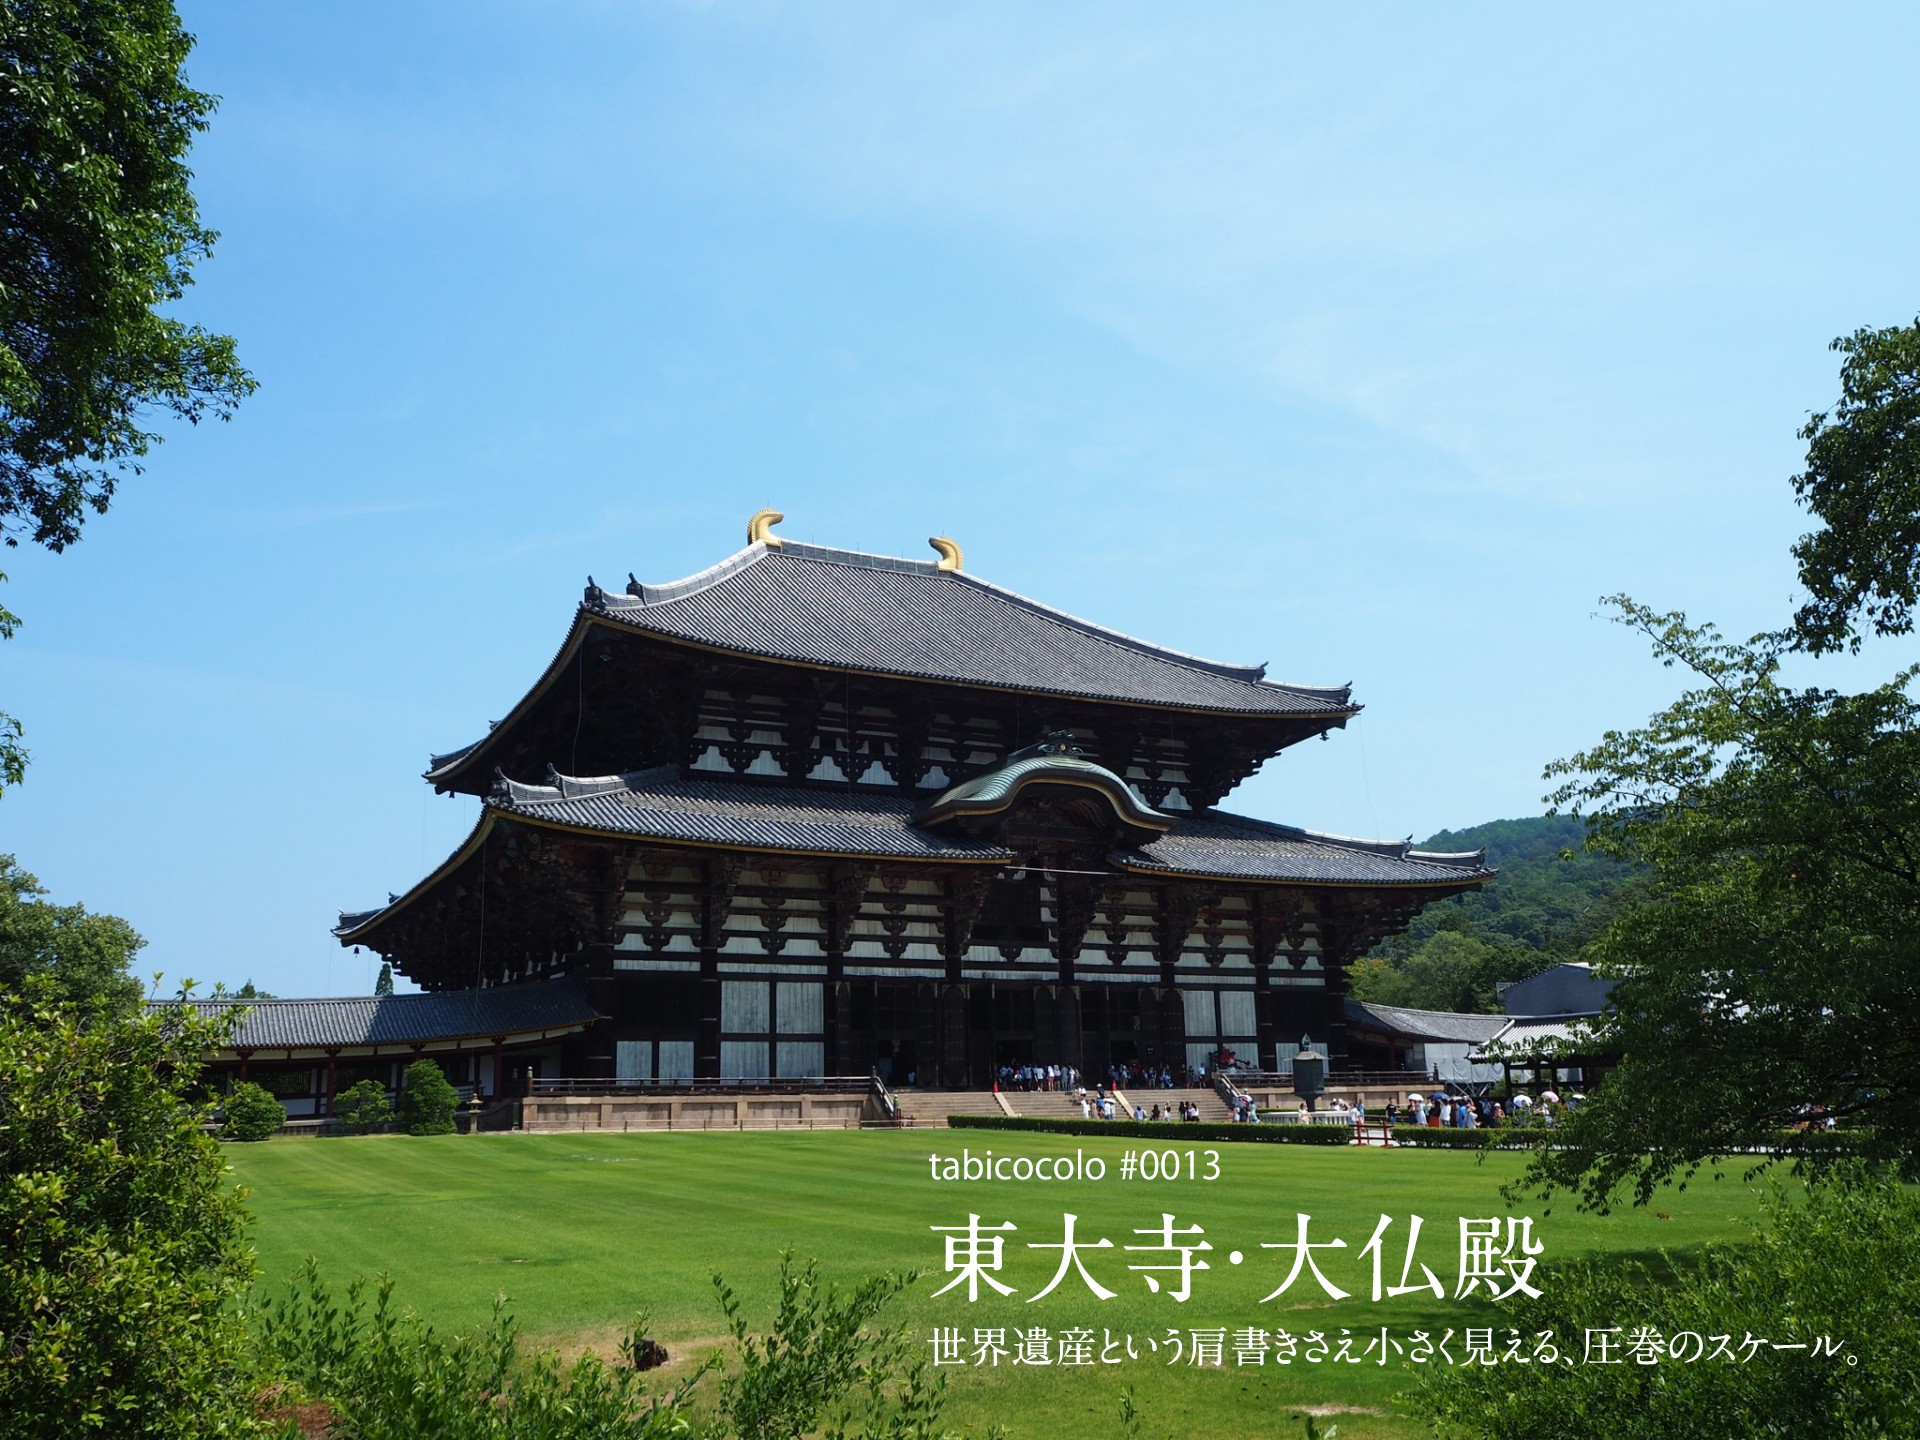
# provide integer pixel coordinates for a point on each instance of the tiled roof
(1529, 1035)
(665, 805)
(351, 1020)
(1212, 842)
(1425, 1024)
(872, 613)
(660, 804)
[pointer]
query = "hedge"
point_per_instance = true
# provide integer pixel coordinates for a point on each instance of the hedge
(1447, 1137)
(1169, 1130)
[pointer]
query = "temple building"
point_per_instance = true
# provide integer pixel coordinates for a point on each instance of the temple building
(812, 812)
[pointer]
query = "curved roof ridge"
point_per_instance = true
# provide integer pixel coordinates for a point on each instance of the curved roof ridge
(1451, 857)
(641, 594)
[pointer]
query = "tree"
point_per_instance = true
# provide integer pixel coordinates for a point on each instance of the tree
(1771, 965)
(83, 956)
(103, 234)
(101, 237)
(251, 1113)
(427, 1101)
(1863, 481)
(122, 1240)
(363, 1107)
(384, 985)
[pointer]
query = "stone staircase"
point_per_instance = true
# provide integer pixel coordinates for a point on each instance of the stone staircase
(929, 1109)
(1043, 1104)
(1212, 1107)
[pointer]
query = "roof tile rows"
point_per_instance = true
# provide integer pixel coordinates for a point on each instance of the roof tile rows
(846, 610)
(353, 1020)
(661, 804)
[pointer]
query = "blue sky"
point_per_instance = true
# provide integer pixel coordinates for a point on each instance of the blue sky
(1374, 343)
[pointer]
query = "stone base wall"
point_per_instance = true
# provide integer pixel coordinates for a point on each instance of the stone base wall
(694, 1112)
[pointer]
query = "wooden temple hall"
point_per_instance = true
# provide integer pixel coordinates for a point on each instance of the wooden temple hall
(812, 812)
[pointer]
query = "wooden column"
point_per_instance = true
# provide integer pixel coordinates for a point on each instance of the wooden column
(706, 1050)
(326, 1105)
(499, 1067)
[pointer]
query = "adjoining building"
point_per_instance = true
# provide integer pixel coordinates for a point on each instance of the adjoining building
(813, 812)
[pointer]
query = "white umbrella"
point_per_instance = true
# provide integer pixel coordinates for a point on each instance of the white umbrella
(1521, 1098)
(1550, 1097)
(1413, 1097)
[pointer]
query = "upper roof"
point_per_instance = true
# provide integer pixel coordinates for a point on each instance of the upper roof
(848, 611)
(340, 1022)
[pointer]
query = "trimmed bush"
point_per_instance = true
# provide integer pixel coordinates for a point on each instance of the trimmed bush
(427, 1101)
(251, 1113)
(1169, 1131)
(1446, 1137)
(363, 1107)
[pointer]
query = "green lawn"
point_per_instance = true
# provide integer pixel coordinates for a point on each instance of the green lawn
(582, 1231)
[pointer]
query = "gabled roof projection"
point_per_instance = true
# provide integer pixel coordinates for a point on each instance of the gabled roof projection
(809, 604)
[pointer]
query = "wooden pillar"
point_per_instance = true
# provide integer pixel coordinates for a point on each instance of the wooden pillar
(706, 1050)
(499, 1067)
(1069, 1027)
(245, 1056)
(326, 1107)
(953, 1035)
(1267, 1042)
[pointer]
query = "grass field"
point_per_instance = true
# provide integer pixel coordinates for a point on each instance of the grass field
(582, 1231)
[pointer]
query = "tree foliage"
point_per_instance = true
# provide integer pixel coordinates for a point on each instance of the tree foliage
(102, 235)
(1771, 965)
(1550, 899)
(1845, 1264)
(427, 1101)
(1862, 482)
(83, 956)
(122, 1243)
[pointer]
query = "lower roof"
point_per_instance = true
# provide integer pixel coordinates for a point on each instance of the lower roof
(723, 812)
(506, 1012)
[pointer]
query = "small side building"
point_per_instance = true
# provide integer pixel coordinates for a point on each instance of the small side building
(304, 1052)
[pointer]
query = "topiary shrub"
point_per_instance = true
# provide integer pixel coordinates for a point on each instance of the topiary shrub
(363, 1107)
(427, 1101)
(252, 1114)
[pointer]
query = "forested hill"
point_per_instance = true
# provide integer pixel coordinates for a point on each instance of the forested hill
(1550, 899)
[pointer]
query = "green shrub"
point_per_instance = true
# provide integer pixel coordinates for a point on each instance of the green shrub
(427, 1101)
(363, 1107)
(822, 1360)
(122, 1238)
(386, 1375)
(1843, 1264)
(251, 1113)
(1171, 1132)
(1446, 1137)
